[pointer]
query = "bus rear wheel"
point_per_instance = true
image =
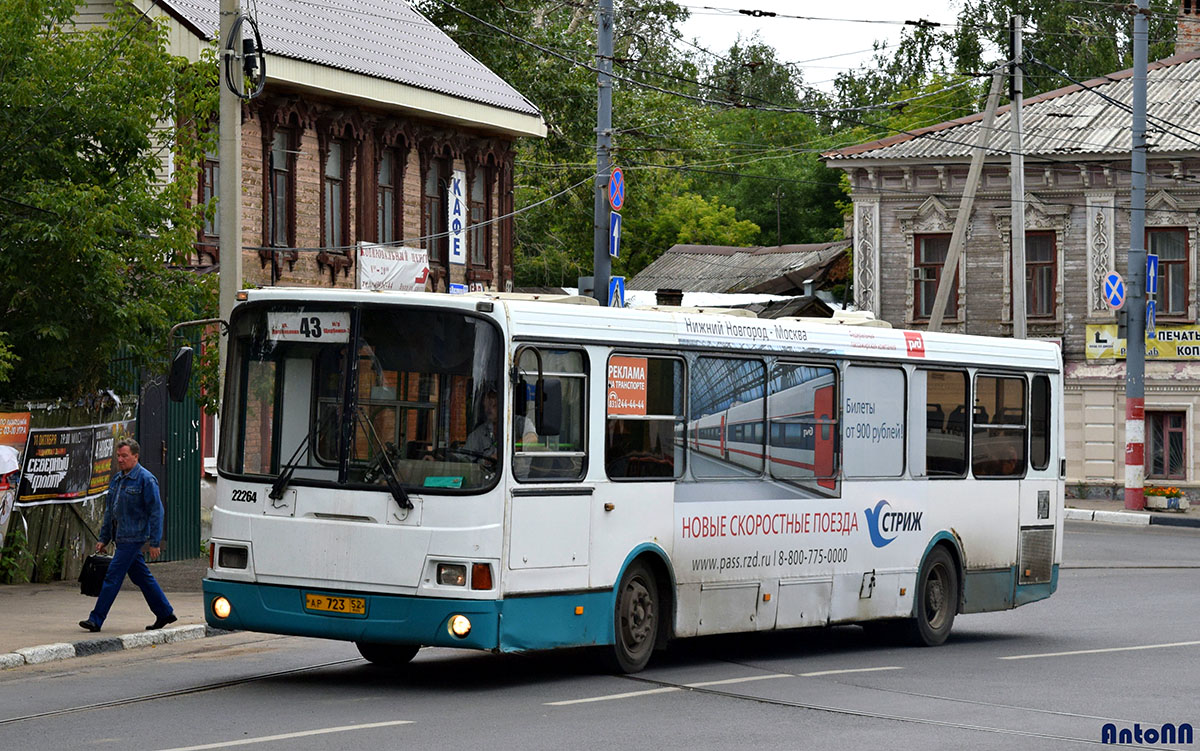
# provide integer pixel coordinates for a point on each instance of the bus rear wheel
(937, 600)
(387, 655)
(635, 619)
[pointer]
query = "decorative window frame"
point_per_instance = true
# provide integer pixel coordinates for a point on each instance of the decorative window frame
(431, 149)
(1039, 217)
(346, 128)
(1101, 251)
(930, 218)
(1163, 211)
(866, 256)
(395, 137)
(297, 116)
(476, 272)
(209, 244)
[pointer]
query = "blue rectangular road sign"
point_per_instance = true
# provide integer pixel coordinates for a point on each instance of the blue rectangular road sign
(1150, 306)
(614, 234)
(616, 292)
(1151, 274)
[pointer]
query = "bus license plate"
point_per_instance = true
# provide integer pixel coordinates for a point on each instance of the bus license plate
(328, 604)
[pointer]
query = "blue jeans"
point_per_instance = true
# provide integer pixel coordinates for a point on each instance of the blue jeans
(128, 559)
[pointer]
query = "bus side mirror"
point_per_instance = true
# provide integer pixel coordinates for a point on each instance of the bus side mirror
(181, 374)
(548, 414)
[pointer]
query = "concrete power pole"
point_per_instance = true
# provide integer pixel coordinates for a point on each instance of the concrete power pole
(229, 186)
(950, 266)
(601, 264)
(1135, 279)
(1017, 181)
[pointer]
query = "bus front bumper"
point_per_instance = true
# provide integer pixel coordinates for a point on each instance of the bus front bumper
(512, 625)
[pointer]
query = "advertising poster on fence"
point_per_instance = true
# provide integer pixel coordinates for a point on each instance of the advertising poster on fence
(104, 454)
(69, 465)
(392, 267)
(14, 431)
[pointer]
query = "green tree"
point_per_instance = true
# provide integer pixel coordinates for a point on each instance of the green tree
(692, 220)
(91, 235)
(1078, 37)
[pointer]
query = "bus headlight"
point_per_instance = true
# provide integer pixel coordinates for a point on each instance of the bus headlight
(221, 608)
(452, 574)
(460, 625)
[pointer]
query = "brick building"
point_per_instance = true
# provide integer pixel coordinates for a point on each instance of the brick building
(907, 190)
(368, 113)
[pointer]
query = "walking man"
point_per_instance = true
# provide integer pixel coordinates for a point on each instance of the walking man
(133, 516)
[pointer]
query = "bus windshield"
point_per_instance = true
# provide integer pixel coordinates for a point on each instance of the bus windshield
(346, 395)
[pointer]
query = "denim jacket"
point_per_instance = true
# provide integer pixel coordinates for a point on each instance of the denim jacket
(134, 505)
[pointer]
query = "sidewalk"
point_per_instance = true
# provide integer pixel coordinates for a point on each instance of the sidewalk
(1114, 512)
(40, 622)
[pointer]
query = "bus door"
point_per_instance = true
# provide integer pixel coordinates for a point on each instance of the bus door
(1039, 502)
(638, 455)
(550, 505)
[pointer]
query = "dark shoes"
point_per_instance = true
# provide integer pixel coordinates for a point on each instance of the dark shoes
(89, 626)
(159, 623)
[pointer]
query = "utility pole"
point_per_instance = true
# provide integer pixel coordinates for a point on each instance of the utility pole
(1017, 180)
(601, 264)
(950, 267)
(229, 186)
(1135, 278)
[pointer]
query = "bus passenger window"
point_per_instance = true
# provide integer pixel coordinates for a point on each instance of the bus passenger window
(727, 393)
(802, 407)
(553, 456)
(644, 427)
(946, 443)
(1039, 423)
(873, 407)
(998, 430)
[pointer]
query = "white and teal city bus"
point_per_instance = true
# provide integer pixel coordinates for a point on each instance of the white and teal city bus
(404, 470)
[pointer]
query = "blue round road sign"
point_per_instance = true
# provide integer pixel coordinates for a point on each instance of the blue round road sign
(1114, 290)
(616, 189)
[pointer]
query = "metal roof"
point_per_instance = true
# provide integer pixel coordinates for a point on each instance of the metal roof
(1075, 119)
(384, 39)
(718, 268)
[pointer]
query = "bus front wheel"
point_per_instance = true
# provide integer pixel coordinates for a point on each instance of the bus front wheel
(937, 599)
(387, 655)
(635, 619)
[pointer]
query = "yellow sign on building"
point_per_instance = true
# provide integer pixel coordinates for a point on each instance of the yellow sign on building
(1168, 343)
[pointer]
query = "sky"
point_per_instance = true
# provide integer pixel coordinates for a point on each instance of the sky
(823, 48)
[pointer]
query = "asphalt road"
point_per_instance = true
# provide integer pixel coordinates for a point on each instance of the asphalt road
(1117, 644)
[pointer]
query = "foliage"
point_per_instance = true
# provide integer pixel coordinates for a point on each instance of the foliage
(1079, 37)
(91, 236)
(15, 558)
(49, 565)
(692, 220)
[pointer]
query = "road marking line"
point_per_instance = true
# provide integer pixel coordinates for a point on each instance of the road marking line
(287, 736)
(627, 695)
(747, 679)
(1102, 651)
(705, 684)
(851, 670)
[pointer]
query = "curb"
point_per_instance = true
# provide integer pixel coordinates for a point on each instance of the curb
(1129, 517)
(87, 647)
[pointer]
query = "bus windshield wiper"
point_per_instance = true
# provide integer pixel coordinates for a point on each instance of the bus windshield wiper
(385, 461)
(285, 475)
